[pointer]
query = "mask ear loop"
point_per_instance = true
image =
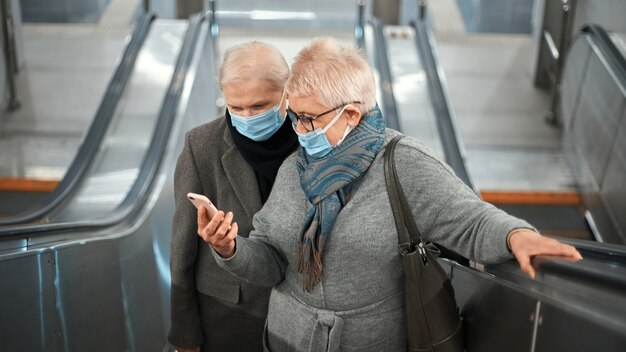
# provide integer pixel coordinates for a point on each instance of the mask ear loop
(332, 122)
(349, 129)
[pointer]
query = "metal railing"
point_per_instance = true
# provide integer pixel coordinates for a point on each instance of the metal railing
(551, 51)
(359, 28)
(214, 29)
(8, 31)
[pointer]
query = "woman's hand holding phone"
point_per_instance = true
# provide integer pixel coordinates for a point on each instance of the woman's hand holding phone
(220, 232)
(214, 226)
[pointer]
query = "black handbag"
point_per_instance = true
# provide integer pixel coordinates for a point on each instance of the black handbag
(433, 319)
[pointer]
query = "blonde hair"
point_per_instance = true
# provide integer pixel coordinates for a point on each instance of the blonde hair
(334, 74)
(253, 61)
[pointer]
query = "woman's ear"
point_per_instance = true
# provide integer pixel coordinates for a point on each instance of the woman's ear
(354, 115)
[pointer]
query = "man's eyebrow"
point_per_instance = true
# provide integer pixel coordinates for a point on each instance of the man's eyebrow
(256, 103)
(261, 102)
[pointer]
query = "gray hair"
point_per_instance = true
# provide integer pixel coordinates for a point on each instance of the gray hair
(334, 74)
(253, 61)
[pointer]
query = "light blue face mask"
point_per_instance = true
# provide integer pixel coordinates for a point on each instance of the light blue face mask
(315, 143)
(259, 127)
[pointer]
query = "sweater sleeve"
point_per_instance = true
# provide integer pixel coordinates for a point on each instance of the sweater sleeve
(186, 329)
(450, 213)
(256, 259)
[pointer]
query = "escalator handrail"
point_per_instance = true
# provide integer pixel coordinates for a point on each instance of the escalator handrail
(607, 47)
(95, 133)
(609, 251)
(604, 252)
(610, 254)
(453, 149)
(140, 191)
(382, 62)
(577, 272)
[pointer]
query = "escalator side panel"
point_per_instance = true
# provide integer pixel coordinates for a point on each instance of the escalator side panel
(564, 331)
(575, 67)
(495, 317)
(87, 291)
(593, 104)
(27, 304)
(613, 188)
(597, 118)
(506, 311)
(141, 276)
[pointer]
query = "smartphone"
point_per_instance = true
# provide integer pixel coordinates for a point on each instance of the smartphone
(198, 200)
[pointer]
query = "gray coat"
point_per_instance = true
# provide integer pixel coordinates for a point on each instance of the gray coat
(360, 304)
(210, 306)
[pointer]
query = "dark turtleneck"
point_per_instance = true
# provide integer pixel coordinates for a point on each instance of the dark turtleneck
(265, 157)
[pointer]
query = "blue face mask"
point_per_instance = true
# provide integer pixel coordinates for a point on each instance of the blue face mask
(259, 127)
(315, 143)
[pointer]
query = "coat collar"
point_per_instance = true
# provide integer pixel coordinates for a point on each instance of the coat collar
(241, 176)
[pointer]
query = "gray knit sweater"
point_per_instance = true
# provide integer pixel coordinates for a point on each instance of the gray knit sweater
(360, 304)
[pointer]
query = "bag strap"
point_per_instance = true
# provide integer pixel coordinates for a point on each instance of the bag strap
(409, 236)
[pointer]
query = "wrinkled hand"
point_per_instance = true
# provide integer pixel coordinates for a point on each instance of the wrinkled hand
(220, 232)
(526, 244)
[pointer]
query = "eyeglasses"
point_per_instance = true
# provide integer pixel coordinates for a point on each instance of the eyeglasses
(307, 121)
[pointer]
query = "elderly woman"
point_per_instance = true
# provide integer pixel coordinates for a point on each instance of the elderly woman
(233, 160)
(326, 239)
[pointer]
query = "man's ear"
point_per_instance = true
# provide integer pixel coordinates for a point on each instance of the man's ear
(354, 115)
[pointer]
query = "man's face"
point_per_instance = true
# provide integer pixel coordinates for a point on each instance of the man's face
(249, 98)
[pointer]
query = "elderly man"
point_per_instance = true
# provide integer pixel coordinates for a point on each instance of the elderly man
(233, 160)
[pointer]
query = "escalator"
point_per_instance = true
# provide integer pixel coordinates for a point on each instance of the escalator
(89, 270)
(569, 306)
(54, 194)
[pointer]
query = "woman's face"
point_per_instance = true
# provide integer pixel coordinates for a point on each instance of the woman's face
(309, 106)
(249, 98)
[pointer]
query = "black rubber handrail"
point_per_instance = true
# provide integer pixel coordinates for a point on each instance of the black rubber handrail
(96, 131)
(606, 251)
(441, 107)
(140, 191)
(611, 53)
(390, 109)
(603, 264)
(584, 271)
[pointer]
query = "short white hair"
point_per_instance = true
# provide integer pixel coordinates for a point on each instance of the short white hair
(334, 74)
(253, 61)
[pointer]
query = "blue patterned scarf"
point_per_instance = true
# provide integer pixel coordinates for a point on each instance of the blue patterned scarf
(326, 183)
